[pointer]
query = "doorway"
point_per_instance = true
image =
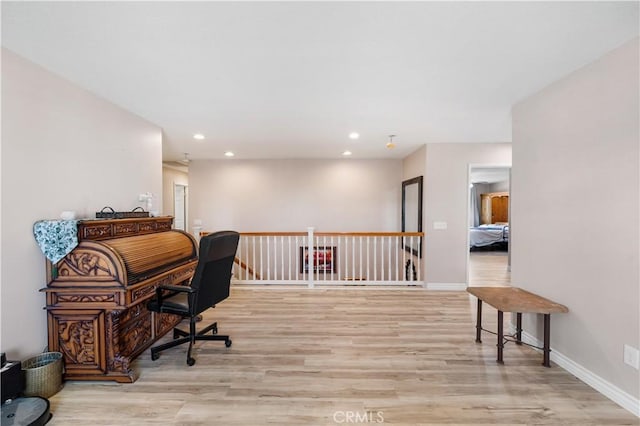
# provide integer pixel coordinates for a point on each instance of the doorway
(489, 212)
(179, 206)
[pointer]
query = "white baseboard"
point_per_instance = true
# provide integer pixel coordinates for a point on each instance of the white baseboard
(447, 286)
(607, 389)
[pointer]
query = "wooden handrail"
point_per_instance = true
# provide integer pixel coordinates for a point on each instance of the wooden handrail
(327, 234)
(369, 234)
(274, 234)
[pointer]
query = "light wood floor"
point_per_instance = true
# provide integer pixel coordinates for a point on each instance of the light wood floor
(489, 268)
(314, 357)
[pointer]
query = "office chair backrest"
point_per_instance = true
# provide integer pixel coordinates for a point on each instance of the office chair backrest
(212, 277)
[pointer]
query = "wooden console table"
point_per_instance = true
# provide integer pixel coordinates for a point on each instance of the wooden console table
(514, 299)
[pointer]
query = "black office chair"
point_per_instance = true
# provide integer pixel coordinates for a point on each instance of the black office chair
(209, 285)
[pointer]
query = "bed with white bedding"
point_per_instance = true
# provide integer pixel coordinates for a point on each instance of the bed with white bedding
(489, 236)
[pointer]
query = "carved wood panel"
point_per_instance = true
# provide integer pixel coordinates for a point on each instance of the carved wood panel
(183, 274)
(78, 335)
(95, 232)
(142, 293)
(163, 225)
(124, 228)
(165, 322)
(85, 298)
(130, 332)
(86, 264)
(113, 228)
(146, 227)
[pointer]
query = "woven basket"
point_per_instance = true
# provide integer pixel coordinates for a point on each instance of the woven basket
(43, 374)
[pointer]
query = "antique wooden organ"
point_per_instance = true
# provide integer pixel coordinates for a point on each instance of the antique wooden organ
(96, 295)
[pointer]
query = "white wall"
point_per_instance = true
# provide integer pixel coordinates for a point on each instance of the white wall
(290, 195)
(446, 199)
(414, 164)
(575, 210)
(62, 149)
(502, 186)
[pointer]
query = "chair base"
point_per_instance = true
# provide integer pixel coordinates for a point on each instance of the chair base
(181, 337)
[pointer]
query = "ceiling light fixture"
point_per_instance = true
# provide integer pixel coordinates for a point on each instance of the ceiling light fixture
(198, 136)
(229, 154)
(354, 135)
(346, 153)
(391, 144)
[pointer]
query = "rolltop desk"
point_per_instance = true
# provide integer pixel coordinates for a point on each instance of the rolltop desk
(96, 295)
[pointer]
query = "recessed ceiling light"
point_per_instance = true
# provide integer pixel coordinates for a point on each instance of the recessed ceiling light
(198, 136)
(346, 153)
(354, 135)
(229, 154)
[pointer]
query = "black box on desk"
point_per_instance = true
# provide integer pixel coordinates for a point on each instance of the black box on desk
(12, 380)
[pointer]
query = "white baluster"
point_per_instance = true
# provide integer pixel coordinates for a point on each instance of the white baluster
(333, 258)
(339, 254)
(311, 256)
(367, 268)
(360, 256)
(261, 262)
(354, 250)
(253, 259)
(404, 260)
(375, 258)
(289, 258)
(396, 248)
(419, 262)
(390, 258)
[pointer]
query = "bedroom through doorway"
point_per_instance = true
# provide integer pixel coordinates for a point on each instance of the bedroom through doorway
(489, 260)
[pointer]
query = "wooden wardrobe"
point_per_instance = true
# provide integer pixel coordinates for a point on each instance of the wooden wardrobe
(494, 207)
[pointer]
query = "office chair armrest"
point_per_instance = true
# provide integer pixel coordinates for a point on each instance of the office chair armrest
(176, 288)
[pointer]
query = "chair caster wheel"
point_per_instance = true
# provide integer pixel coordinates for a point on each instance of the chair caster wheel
(227, 343)
(175, 334)
(191, 361)
(214, 330)
(154, 356)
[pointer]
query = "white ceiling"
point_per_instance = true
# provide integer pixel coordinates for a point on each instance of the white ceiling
(292, 79)
(488, 174)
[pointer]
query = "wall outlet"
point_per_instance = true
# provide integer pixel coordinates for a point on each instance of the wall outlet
(439, 225)
(632, 356)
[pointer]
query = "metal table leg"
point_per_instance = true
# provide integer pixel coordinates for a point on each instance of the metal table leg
(547, 340)
(519, 328)
(479, 322)
(500, 337)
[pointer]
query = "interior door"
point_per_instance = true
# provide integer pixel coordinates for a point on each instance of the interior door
(180, 206)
